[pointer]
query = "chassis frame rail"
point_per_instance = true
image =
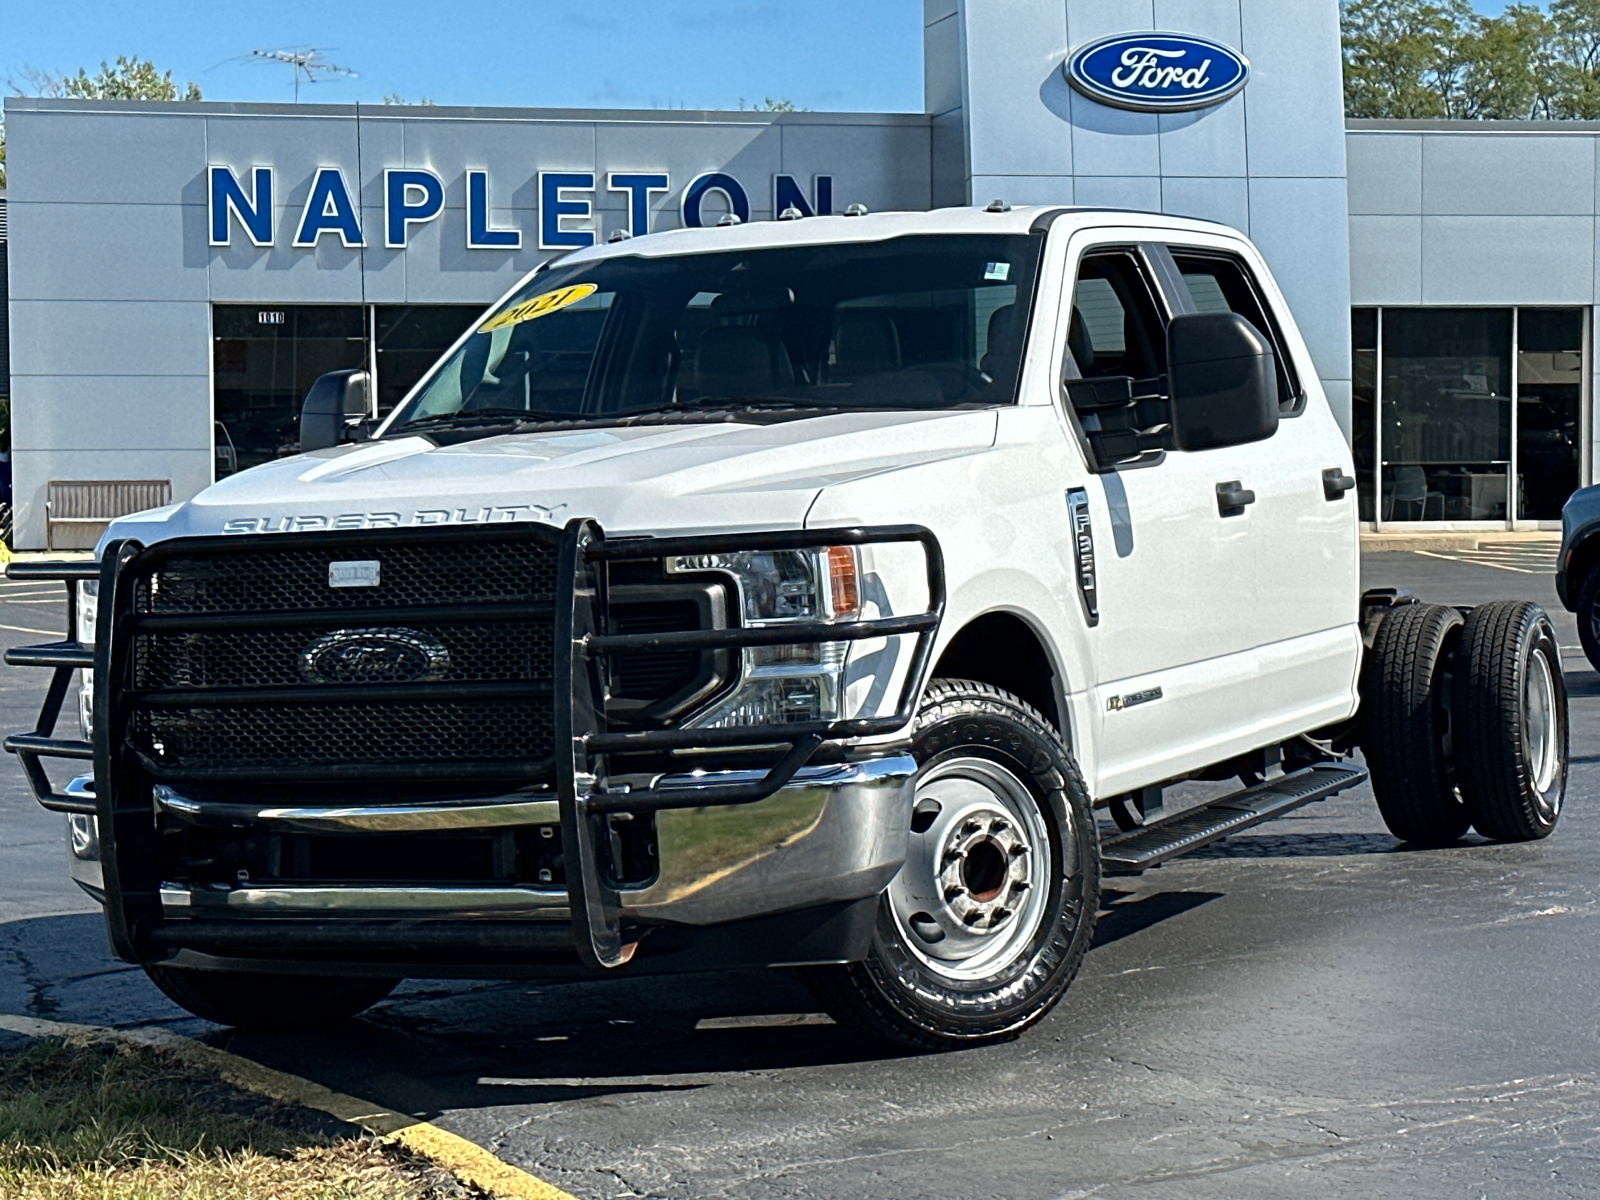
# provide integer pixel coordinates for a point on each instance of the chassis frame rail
(579, 607)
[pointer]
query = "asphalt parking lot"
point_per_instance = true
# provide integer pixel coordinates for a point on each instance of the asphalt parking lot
(1306, 1010)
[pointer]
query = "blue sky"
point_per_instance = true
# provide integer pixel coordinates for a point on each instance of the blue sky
(852, 55)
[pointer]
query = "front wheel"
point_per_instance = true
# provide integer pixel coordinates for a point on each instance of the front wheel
(984, 927)
(259, 1001)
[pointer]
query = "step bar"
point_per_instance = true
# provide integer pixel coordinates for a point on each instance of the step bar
(1153, 844)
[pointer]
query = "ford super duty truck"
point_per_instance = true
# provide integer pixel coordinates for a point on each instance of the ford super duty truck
(790, 594)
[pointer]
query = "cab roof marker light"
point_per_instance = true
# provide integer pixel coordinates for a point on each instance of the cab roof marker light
(619, 235)
(790, 214)
(856, 210)
(729, 219)
(997, 206)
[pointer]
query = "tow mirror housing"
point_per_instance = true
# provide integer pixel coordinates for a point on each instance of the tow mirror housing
(1223, 378)
(334, 409)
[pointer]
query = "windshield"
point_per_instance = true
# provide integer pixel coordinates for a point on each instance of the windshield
(916, 322)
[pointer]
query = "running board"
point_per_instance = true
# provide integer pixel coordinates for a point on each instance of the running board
(1152, 845)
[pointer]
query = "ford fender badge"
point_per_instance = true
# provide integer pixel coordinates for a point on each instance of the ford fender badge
(1157, 72)
(1083, 552)
(1133, 699)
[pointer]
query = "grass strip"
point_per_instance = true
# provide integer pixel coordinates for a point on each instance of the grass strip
(92, 1119)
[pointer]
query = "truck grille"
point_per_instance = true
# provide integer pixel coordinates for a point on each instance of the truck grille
(245, 661)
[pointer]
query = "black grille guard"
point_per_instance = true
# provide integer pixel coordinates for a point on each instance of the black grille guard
(582, 742)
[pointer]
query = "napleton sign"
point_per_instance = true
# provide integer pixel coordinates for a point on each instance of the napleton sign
(242, 202)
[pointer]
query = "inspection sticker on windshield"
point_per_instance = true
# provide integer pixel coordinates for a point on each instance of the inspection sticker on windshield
(997, 272)
(541, 305)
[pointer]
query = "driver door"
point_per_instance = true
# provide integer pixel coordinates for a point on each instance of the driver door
(1173, 641)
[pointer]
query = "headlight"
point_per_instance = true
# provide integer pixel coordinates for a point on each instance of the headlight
(88, 609)
(782, 684)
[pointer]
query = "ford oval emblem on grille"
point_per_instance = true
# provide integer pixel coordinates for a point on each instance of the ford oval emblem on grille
(374, 656)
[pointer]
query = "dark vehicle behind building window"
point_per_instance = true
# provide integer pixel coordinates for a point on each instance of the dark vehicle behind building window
(264, 358)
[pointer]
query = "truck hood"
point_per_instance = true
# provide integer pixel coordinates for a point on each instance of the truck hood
(657, 479)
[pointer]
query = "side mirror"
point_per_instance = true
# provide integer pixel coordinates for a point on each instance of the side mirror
(1223, 378)
(336, 402)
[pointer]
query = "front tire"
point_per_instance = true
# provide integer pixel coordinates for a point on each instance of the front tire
(268, 1003)
(983, 929)
(1509, 713)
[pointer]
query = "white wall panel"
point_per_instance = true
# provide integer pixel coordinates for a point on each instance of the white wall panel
(102, 412)
(1385, 260)
(116, 338)
(1384, 173)
(1511, 174)
(1507, 260)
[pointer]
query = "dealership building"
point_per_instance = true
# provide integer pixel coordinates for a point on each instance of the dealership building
(179, 273)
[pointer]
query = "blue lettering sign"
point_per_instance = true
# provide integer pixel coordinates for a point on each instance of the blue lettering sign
(329, 210)
(479, 235)
(410, 196)
(1157, 72)
(554, 207)
(786, 193)
(713, 181)
(254, 211)
(639, 188)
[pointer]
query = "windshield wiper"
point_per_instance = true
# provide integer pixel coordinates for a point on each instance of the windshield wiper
(487, 416)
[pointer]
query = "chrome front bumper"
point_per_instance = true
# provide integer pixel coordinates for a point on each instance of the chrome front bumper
(832, 834)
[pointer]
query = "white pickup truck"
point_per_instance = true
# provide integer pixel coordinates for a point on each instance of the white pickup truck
(787, 593)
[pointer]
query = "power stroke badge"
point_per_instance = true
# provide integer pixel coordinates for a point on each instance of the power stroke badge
(1083, 552)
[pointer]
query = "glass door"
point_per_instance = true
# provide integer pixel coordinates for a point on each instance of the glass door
(1445, 422)
(1549, 409)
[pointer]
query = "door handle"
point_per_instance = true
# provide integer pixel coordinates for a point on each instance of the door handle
(1232, 498)
(1335, 483)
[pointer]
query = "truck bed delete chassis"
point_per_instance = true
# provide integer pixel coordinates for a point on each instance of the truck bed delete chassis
(577, 606)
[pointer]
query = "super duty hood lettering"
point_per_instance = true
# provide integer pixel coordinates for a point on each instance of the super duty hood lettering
(312, 523)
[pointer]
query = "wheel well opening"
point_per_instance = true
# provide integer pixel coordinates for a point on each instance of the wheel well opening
(1001, 650)
(1584, 559)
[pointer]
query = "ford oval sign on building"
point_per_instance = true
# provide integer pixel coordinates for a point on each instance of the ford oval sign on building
(1157, 72)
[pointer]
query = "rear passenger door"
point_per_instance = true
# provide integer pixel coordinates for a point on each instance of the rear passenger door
(1304, 597)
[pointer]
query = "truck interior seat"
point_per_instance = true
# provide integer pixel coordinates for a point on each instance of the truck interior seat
(864, 344)
(740, 360)
(1002, 341)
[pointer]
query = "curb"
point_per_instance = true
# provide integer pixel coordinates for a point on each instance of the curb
(1379, 543)
(467, 1161)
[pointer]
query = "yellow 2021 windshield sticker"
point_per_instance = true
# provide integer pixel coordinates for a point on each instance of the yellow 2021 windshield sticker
(541, 305)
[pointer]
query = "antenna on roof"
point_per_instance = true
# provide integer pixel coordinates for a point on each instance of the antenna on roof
(305, 62)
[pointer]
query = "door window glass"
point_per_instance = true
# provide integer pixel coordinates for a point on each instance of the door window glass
(1222, 283)
(1115, 334)
(1549, 398)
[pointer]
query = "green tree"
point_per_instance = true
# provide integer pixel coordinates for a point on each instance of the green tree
(129, 79)
(1403, 58)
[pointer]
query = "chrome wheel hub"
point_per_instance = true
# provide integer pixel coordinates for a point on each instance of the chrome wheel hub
(1542, 729)
(972, 891)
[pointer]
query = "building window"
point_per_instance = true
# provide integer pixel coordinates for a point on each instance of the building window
(264, 358)
(1437, 436)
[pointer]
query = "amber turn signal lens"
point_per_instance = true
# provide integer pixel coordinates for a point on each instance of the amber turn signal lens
(842, 581)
